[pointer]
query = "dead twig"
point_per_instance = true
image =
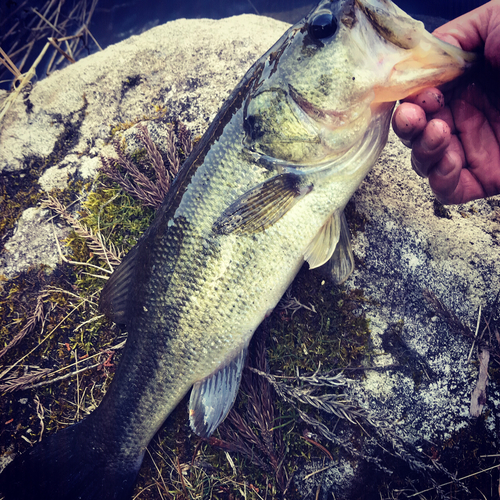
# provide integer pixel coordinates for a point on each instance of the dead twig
(289, 303)
(133, 180)
(478, 398)
(452, 482)
(36, 318)
(34, 378)
(95, 241)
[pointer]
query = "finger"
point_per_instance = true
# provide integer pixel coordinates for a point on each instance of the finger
(428, 149)
(471, 30)
(408, 122)
(431, 100)
(478, 125)
(467, 188)
(444, 179)
(445, 115)
(451, 180)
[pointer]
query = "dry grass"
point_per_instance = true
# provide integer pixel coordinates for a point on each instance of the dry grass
(133, 180)
(131, 177)
(24, 46)
(96, 242)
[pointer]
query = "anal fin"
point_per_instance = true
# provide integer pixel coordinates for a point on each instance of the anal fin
(212, 398)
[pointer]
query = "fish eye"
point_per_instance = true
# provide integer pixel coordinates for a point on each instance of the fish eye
(322, 25)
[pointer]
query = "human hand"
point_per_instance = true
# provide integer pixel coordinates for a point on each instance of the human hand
(455, 137)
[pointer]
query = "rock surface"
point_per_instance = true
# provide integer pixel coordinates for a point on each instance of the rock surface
(33, 243)
(67, 118)
(426, 370)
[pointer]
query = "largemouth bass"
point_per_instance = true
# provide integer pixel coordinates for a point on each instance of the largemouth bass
(262, 192)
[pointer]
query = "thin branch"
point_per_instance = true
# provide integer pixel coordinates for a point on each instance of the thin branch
(17, 383)
(452, 482)
(446, 314)
(33, 379)
(292, 303)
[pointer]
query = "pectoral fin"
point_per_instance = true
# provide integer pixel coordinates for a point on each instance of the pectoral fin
(212, 398)
(262, 206)
(332, 246)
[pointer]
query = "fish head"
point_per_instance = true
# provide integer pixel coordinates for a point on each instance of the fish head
(336, 71)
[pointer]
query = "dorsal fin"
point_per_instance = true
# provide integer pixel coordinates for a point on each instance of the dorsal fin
(113, 301)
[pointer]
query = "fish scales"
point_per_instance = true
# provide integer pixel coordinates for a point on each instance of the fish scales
(262, 192)
(191, 316)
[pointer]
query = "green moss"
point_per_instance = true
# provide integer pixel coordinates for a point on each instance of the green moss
(71, 330)
(336, 335)
(51, 344)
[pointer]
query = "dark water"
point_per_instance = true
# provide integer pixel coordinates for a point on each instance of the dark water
(113, 21)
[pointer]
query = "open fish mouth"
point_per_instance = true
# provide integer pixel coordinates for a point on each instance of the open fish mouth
(414, 57)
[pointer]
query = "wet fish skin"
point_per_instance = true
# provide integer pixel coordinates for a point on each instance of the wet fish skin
(263, 191)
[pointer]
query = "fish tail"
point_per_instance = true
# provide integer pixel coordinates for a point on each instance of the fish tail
(68, 466)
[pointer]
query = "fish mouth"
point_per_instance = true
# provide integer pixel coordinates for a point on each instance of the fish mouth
(420, 59)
